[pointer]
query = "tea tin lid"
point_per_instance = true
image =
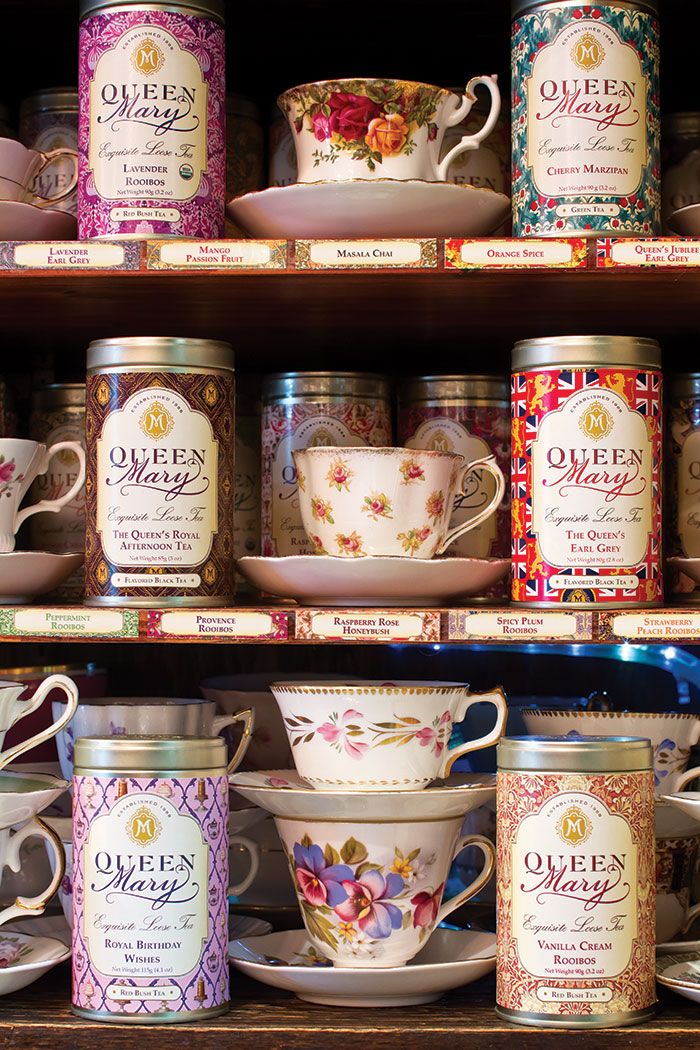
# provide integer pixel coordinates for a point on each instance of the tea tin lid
(208, 7)
(159, 351)
(684, 384)
(681, 124)
(325, 384)
(56, 98)
(62, 395)
(518, 6)
(158, 754)
(586, 350)
(565, 754)
(465, 388)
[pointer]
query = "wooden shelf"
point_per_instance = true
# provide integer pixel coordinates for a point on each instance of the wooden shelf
(263, 1018)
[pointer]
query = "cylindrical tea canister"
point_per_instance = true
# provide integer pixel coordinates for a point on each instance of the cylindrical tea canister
(160, 472)
(585, 118)
(680, 162)
(301, 409)
(58, 414)
(152, 136)
(682, 513)
(469, 415)
(246, 511)
(48, 120)
(150, 879)
(586, 471)
(576, 901)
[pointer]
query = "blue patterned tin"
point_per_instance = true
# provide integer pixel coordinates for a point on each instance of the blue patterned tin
(585, 118)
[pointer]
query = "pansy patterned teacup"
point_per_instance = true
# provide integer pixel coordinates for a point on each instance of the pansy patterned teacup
(371, 893)
(672, 734)
(380, 129)
(391, 736)
(387, 502)
(20, 463)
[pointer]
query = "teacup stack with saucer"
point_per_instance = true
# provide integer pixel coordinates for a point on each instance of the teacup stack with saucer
(370, 835)
(26, 574)
(369, 164)
(378, 520)
(24, 215)
(25, 954)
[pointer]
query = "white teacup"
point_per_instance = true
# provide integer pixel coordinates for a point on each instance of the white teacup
(20, 166)
(371, 894)
(384, 736)
(676, 861)
(672, 734)
(12, 709)
(21, 799)
(20, 463)
(380, 129)
(387, 502)
(145, 716)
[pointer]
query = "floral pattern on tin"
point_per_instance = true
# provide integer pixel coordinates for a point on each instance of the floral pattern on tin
(377, 505)
(413, 539)
(345, 732)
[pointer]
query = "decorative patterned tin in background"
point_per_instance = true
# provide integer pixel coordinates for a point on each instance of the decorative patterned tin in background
(152, 139)
(576, 902)
(682, 510)
(150, 879)
(159, 429)
(58, 414)
(301, 409)
(246, 510)
(49, 120)
(585, 118)
(586, 471)
(680, 162)
(469, 415)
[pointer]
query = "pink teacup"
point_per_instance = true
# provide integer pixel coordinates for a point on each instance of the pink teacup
(19, 167)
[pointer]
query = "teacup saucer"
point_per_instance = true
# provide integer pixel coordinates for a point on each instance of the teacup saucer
(685, 221)
(317, 579)
(29, 795)
(688, 566)
(26, 222)
(283, 793)
(26, 574)
(680, 972)
(450, 959)
(25, 958)
(370, 208)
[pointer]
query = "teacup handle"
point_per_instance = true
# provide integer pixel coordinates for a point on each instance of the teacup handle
(690, 917)
(479, 882)
(489, 464)
(54, 681)
(54, 505)
(468, 142)
(25, 906)
(254, 854)
(220, 722)
(494, 696)
(685, 778)
(64, 151)
(247, 717)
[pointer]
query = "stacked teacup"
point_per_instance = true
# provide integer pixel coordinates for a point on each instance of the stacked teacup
(368, 834)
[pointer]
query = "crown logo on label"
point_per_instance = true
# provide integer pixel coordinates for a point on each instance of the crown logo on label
(587, 52)
(143, 827)
(322, 438)
(147, 57)
(156, 422)
(441, 442)
(596, 422)
(574, 827)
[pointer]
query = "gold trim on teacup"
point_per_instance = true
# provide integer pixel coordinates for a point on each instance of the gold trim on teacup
(367, 690)
(369, 820)
(540, 712)
(330, 85)
(321, 451)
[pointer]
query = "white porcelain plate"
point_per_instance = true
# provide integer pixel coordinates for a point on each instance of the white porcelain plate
(283, 793)
(686, 221)
(370, 208)
(26, 574)
(450, 959)
(25, 958)
(26, 222)
(680, 972)
(689, 566)
(317, 579)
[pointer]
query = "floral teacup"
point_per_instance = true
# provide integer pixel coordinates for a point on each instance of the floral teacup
(672, 734)
(13, 709)
(380, 129)
(20, 463)
(391, 736)
(386, 502)
(371, 893)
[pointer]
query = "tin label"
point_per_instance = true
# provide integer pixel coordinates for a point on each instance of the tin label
(689, 495)
(585, 119)
(160, 484)
(151, 125)
(576, 901)
(150, 894)
(586, 486)
(246, 512)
